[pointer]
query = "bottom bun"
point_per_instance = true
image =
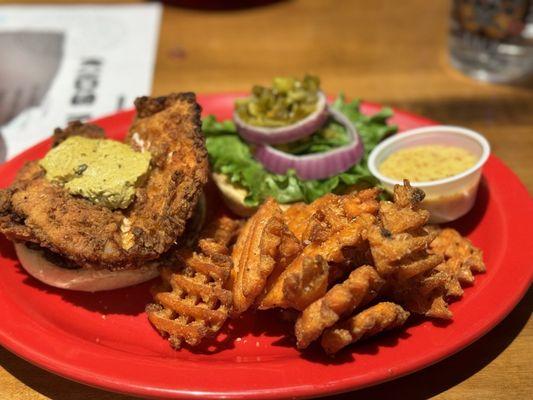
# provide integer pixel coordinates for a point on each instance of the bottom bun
(233, 196)
(86, 280)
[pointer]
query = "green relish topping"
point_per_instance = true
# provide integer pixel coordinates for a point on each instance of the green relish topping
(104, 171)
(288, 101)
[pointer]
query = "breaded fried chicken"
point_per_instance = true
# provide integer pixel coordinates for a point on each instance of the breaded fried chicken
(39, 211)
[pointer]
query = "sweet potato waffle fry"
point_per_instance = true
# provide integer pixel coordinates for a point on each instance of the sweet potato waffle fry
(427, 294)
(329, 213)
(381, 317)
(361, 287)
(265, 244)
(303, 282)
(191, 302)
(399, 242)
(415, 265)
(461, 259)
(344, 268)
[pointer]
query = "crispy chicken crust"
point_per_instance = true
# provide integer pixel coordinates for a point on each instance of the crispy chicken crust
(38, 211)
(77, 128)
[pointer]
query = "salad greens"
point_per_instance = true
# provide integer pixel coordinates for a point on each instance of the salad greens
(233, 157)
(330, 136)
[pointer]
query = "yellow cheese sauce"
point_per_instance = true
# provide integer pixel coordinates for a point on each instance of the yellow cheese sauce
(427, 163)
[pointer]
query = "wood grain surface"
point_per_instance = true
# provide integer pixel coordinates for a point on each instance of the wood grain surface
(391, 52)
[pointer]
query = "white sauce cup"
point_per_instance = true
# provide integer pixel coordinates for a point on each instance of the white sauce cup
(449, 198)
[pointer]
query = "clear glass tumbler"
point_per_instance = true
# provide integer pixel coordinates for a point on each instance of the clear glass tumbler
(492, 40)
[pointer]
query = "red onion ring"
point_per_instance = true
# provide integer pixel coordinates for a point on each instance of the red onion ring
(319, 165)
(284, 134)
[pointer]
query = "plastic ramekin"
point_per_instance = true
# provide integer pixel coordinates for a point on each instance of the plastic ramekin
(449, 198)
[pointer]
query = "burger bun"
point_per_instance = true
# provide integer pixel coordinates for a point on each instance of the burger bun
(86, 280)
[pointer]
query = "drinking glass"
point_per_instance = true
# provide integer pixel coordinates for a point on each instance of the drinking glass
(492, 40)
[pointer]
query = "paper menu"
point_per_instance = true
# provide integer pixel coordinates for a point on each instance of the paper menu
(71, 62)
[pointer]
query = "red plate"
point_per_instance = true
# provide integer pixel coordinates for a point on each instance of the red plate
(105, 340)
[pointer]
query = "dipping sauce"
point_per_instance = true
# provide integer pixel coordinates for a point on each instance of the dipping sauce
(427, 163)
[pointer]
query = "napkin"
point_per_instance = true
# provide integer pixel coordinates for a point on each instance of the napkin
(77, 62)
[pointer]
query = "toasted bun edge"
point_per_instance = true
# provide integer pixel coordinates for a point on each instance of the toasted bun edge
(86, 280)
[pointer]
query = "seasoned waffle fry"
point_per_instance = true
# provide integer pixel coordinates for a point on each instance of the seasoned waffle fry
(402, 255)
(361, 287)
(362, 202)
(425, 295)
(299, 216)
(452, 245)
(403, 214)
(381, 317)
(400, 243)
(294, 260)
(300, 286)
(329, 213)
(461, 259)
(264, 245)
(306, 279)
(222, 230)
(191, 302)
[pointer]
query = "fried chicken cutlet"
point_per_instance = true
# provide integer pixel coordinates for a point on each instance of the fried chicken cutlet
(42, 212)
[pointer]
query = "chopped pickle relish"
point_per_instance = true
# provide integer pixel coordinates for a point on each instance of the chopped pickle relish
(286, 102)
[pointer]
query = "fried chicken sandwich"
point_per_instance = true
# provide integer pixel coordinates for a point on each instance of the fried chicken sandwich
(97, 214)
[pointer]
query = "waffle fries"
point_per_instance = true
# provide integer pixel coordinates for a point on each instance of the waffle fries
(361, 287)
(416, 266)
(344, 268)
(376, 319)
(462, 259)
(191, 302)
(264, 245)
(306, 279)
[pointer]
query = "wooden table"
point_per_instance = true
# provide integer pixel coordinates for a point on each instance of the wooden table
(382, 51)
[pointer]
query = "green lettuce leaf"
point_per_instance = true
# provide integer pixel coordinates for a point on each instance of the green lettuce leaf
(233, 157)
(330, 136)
